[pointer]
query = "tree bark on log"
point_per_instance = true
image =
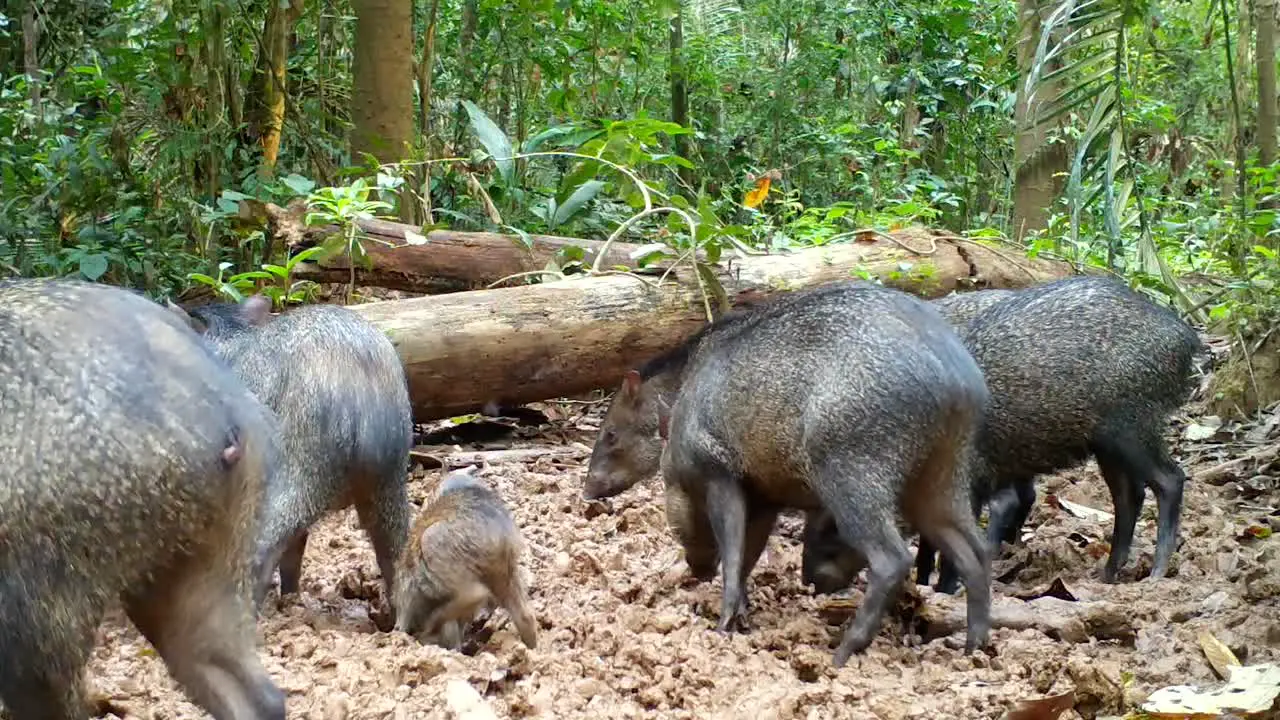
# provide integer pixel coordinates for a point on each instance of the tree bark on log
(450, 261)
(522, 344)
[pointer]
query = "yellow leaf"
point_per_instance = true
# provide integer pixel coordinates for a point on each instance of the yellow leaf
(756, 196)
(1221, 659)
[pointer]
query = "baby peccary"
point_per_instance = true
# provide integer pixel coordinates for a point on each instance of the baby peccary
(463, 554)
(850, 397)
(134, 464)
(1078, 367)
(339, 389)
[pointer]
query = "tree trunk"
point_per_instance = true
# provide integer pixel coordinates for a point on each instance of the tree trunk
(680, 94)
(515, 345)
(450, 261)
(31, 54)
(1266, 81)
(382, 90)
(1037, 165)
(214, 22)
(274, 73)
(426, 80)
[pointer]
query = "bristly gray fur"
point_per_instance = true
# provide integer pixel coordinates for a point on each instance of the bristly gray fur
(135, 467)
(339, 389)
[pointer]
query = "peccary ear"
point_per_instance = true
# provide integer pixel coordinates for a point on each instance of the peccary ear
(664, 420)
(631, 383)
(185, 316)
(256, 309)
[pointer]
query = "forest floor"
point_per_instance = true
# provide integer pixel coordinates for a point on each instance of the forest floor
(624, 633)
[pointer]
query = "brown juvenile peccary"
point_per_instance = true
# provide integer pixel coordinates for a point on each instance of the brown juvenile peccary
(463, 554)
(134, 466)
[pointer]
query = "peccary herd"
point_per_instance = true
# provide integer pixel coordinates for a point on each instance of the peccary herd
(170, 462)
(876, 412)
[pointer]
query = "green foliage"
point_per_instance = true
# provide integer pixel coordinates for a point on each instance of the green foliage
(134, 168)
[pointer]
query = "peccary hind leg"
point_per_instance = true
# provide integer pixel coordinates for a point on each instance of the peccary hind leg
(1129, 466)
(291, 563)
(383, 508)
(727, 510)
(41, 664)
(203, 630)
(859, 500)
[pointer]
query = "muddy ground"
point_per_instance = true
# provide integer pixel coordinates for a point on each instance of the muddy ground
(624, 633)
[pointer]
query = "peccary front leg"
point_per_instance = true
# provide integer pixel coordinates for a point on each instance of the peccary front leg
(1008, 512)
(291, 563)
(726, 506)
(862, 502)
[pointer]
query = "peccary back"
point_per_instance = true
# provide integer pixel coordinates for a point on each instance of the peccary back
(135, 464)
(339, 389)
(960, 308)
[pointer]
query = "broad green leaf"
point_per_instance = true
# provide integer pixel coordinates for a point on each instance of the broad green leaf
(494, 140)
(93, 266)
(298, 184)
(580, 197)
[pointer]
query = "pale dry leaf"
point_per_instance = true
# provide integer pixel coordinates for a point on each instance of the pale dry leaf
(1252, 689)
(1220, 657)
(1084, 512)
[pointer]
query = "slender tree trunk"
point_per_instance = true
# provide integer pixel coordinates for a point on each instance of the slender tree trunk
(31, 54)
(466, 69)
(214, 22)
(679, 92)
(382, 92)
(275, 59)
(426, 79)
(1234, 129)
(1266, 81)
(1037, 183)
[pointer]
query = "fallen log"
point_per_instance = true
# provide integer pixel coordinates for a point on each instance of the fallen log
(940, 615)
(520, 344)
(449, 261)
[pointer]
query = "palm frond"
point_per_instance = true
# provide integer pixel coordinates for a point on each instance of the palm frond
(710, 18)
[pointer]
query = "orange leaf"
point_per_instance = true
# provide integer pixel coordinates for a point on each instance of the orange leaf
(756, 196)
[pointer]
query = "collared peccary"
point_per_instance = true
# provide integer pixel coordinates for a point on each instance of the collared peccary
(134, 466)
(463, 553)
(340, 392)
(615, 459)
(1077, 367)
(849, 397)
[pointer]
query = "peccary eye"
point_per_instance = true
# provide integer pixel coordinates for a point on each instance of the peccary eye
(610, 437)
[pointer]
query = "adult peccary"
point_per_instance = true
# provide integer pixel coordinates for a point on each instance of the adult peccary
(134, 466)
(609, 471)
(1077, 367)
(850, 397)
(340, 392)
(463, 554)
